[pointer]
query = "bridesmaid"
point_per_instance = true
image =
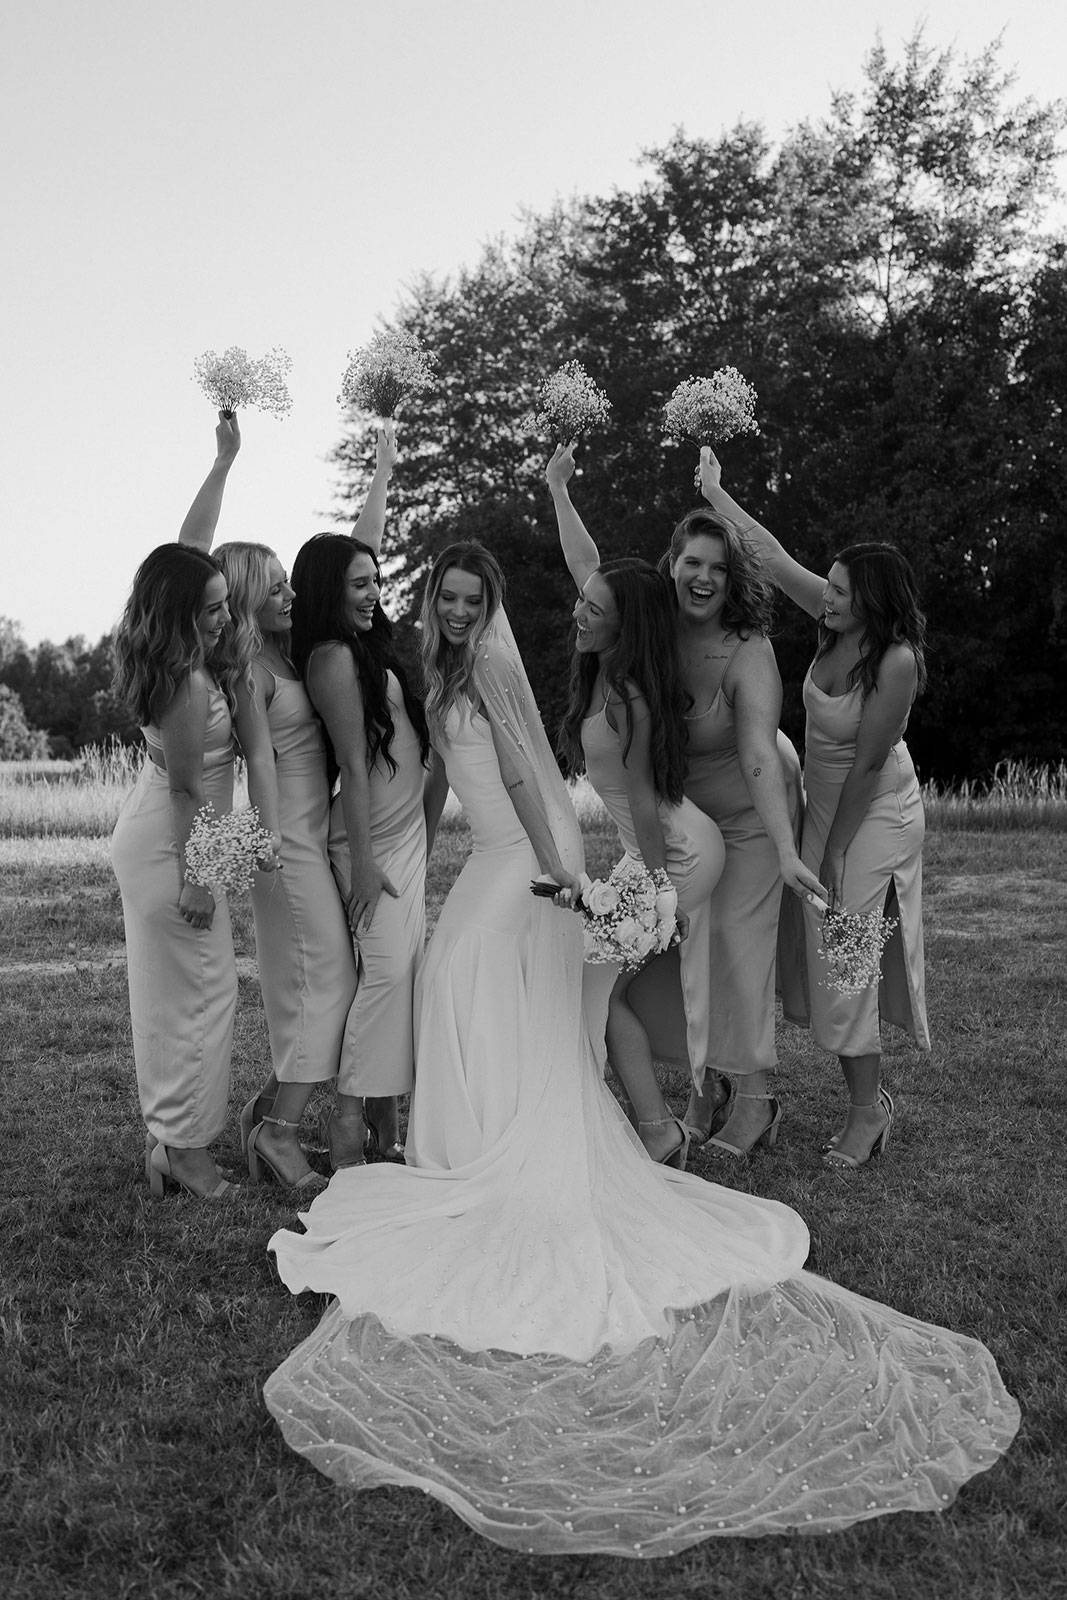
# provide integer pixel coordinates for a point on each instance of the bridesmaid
(304, 950)
(624, 727)
(864, 823)
(744, 774)
(179, 949)
(377, 742)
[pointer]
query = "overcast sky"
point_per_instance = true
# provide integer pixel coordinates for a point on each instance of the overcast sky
(186, 176)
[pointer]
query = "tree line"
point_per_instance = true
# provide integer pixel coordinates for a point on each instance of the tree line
(888, 279)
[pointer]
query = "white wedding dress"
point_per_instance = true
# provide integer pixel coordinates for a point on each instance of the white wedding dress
(576, 1349)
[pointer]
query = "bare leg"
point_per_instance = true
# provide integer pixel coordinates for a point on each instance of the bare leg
(631, 1059)
(752, 1111)
(867, 1113)
(346, 1132)
(381, 1115)
(278, 1139)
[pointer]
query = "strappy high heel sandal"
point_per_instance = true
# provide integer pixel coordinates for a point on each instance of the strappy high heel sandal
(768, 1136)
(344, 1152)
(835, 1138)
(373, 1147)
(158, 1172)
(839, 1158)
(716, 1088)
(259, 1103)
(678, 1155)
(259, 1163)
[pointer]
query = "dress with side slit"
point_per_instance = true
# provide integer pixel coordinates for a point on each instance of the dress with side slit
(883, 873)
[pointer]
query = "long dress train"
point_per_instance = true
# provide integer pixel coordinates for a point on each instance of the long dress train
(576, 1349)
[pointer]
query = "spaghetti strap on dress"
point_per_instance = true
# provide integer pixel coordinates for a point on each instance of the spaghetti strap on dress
(883, 873)
(182, 980)
(307, 973)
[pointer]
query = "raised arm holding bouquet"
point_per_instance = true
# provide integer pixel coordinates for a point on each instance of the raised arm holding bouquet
(625, 727)
(743, 773)
(864, 824)
(307, 972)
(179, 949)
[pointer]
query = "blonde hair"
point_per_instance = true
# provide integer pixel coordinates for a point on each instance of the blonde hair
(246, 568)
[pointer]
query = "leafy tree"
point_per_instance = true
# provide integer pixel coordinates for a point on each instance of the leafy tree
(882, 279)
(18, 741)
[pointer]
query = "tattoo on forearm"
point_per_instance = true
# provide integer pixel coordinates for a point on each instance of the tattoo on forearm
(756, 771)
(518, 784)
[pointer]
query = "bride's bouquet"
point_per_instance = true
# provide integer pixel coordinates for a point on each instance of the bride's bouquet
(222, 852)
(851, 946)
(711, 410)
(569, 404)
(234, 381)
(391, 368)
(628, 918)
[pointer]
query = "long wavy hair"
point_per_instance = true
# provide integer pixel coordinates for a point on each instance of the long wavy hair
(246, 568)
(885, 597)
(749, 603)
(644, 658)
(319, 617)
(157, 644)
(447, 667)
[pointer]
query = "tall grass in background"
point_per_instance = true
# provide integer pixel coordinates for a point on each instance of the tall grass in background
(81, 798)
(1018, 795)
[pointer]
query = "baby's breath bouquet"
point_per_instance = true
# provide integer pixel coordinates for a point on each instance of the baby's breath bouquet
(569, 405)
(852, 947)
(235, 381)
(221, 852)
(379, 378)
(711, 410)
(629, 918)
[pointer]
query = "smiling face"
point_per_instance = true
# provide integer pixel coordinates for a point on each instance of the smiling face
(275, 615)
(213, 614)
(699, 573)
(460, 601)
(362, 592)
(596, 617)
(839, 608)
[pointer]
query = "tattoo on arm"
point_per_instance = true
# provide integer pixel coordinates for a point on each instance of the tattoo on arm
(518, 784)
(756, 771)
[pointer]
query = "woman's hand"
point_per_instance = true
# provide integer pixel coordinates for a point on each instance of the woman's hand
(560, 469)
(386, 454)
(368, 886)
(802, 881)
(271, 859)
(227, 439)
(197, 904)
(570, 891)
(832, 874)
(710, 470)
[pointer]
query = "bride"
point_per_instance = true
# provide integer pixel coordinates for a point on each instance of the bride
(575, 1348)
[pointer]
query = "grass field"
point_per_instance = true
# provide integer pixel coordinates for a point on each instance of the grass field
(138, 1458)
